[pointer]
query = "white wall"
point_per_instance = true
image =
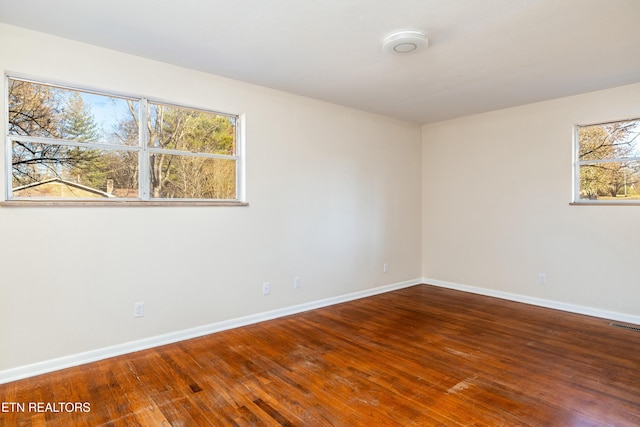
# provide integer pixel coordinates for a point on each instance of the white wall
(333, 194)
(496, 213)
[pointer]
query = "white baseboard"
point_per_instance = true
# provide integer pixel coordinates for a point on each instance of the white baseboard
(44, 367)
(572, 308)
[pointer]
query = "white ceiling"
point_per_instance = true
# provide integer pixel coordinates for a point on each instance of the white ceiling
(483, 55)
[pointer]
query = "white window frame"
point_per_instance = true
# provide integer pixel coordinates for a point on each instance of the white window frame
(143, 149)
(577, 163)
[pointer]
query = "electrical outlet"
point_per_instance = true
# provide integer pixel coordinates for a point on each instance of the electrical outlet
(385, 267)
(296, 282)
(542, 279)
(138, 309)
(266, 288)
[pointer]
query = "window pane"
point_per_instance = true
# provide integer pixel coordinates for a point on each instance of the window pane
(184, 129)
(46, 111)
(610, 181)
(48, 170)
(75, 143)
(610, 140)
(187, 177)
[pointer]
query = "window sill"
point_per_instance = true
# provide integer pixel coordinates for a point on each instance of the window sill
(606, 203)
(135, 203)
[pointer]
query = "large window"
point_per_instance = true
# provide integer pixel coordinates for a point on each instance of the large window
(69, 144)
(607, 165)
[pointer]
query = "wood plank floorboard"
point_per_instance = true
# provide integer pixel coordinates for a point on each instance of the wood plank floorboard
(420, 356)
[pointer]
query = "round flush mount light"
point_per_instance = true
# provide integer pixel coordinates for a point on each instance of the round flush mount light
(405, 42)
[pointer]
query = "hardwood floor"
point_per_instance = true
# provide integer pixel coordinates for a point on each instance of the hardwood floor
(420, 356)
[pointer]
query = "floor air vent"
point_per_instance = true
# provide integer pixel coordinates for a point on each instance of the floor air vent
(619, 325)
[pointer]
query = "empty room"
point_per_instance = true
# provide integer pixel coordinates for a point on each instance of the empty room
(320, 213)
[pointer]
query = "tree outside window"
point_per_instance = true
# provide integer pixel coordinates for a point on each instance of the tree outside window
(608, 161)
(67, 143)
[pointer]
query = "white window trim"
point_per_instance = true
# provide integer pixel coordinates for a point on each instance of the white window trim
(576, 200)
(142, 148)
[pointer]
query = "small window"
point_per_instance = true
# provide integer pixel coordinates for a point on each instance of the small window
(608, 162)
(70, 144)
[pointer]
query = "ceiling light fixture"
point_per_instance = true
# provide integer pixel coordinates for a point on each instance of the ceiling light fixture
(405, 42)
